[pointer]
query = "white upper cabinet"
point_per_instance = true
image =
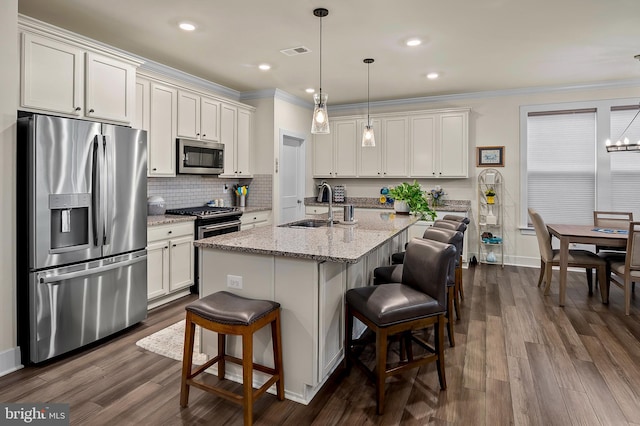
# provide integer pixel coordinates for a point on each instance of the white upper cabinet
(235, 133)
(65, 79)
(142, 115)
(323, 155)
(209, 119)
(453, 149)
(198, 117)
(52, 75)
(346, 138)
(335, 154)
(395, 143)
(370, 157)
(389, 157)
(421, 144)
(161, 144)
(110, 89)
(439, 145)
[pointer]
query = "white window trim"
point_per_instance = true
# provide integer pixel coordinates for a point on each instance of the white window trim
(603, 120)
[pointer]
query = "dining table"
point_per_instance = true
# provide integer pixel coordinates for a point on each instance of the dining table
(582, 234)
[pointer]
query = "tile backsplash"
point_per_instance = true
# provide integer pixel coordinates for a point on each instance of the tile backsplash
(195, 190)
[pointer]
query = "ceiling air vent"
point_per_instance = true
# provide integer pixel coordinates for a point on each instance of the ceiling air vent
(296, 51)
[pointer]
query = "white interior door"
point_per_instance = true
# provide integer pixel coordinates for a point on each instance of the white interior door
(291, 176)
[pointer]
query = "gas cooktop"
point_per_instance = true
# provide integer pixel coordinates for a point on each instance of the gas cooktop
(205, 211)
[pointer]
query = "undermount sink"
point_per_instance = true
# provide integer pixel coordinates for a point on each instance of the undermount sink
(308, 223)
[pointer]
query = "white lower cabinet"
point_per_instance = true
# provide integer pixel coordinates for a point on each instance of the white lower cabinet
(321, 209)
(170, 260)
(255, 219)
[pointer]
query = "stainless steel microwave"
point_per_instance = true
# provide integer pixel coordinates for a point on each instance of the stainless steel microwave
(199, 158)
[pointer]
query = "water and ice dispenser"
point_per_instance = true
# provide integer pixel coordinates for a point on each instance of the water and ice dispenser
(69, 220)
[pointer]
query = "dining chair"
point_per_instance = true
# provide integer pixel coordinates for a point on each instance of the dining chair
(627, 270)
(550, 257)
(416, 302)
(615, 220)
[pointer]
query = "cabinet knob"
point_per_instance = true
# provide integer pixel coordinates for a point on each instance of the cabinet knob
(440, 173)
(169, 232)
(433, 173)
(165, 247)
(154, 169)
(378, 172)
(197, 134)
(78, 108)
(91, 110)
(174, 245)
(204, 135)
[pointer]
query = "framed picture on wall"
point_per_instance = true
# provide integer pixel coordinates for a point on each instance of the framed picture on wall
(490, 156)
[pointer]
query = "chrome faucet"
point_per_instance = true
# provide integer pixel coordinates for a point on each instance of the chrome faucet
(324, 184)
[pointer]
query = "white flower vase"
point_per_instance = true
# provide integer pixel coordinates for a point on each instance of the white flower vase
(401, 207)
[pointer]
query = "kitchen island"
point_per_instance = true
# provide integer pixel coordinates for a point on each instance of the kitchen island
(306, 270)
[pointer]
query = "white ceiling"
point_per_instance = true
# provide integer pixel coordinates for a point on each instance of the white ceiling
(481, 45)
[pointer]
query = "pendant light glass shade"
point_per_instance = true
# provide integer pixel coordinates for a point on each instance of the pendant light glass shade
(368, 138)
(320, 120)
(320, 123)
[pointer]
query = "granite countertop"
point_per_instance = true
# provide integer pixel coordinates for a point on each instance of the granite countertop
(373, 203)
(254, 209)
(346, 243)
(168, 218)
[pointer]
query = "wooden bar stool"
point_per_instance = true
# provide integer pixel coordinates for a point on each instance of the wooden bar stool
(226, 313)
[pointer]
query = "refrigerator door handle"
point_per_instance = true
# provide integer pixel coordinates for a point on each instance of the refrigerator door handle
(47, 278)
(96, 189)
(106, 178)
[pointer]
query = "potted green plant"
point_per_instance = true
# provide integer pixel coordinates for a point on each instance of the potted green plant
(414, 197)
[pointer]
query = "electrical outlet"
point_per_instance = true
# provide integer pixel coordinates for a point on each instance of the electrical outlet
(234, 281)
(225, 188)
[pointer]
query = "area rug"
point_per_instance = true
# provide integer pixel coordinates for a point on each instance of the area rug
(169, 342)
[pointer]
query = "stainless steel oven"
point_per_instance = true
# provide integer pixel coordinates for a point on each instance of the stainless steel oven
(209, 230)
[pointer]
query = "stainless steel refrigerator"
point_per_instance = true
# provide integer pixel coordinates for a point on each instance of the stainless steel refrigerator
(82, 226)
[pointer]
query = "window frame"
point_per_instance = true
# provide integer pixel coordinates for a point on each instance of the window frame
(603, 130)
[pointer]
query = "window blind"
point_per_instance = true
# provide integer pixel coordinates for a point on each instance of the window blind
(561, 160)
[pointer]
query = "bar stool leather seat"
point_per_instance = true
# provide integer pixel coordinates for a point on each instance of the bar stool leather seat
(227, 313)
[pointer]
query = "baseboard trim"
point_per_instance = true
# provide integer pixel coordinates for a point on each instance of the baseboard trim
(10, 361)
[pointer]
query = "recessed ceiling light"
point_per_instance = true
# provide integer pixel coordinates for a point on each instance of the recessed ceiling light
(414, 42)
(433, 75)
(310, 90)
(187, 26)
(264, 67)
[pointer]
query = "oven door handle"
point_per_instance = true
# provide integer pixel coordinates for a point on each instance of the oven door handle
(220, 226)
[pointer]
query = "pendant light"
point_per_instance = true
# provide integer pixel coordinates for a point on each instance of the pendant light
(623, 143)
(320, 121)
(368, 138)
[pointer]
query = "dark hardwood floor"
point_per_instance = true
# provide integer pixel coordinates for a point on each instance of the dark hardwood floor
(519, 359)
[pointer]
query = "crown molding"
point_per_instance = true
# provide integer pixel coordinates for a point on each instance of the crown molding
(173, 73)
(276, 94)
(490, 94)
(34, 26)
